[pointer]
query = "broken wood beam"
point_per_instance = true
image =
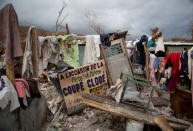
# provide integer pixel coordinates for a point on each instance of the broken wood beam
(130, 111)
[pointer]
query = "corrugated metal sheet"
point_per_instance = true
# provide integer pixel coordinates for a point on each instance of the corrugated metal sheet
(177, 44)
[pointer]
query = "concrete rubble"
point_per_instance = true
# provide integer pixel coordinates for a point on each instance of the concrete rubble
(90, 119)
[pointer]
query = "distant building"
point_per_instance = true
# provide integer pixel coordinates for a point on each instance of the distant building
(177, 46)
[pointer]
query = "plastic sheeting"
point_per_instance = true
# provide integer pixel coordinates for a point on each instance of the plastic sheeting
(69, 49)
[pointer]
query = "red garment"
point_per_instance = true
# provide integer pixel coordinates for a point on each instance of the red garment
(175, 59)
(20, 88)
(173, 81)
(175, 78)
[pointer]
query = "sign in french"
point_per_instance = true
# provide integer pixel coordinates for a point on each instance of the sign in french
(89, 79)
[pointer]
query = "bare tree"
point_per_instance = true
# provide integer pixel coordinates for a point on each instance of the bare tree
(61, 19)
(90, 17)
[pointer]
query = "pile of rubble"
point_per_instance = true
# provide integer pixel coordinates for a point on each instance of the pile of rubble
(53, 97)
(89, 119)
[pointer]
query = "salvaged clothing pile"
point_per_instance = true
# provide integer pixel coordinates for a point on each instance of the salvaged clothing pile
(18, 96)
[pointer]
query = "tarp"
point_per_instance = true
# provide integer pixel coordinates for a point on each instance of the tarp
(69, 49)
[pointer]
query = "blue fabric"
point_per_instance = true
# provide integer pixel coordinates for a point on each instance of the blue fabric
(2, 84)
(151, 43)
(156, 64)
(65, 69)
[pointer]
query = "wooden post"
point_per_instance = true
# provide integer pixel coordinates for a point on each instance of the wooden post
(67, 29)
(146, 61)
(34, 52)
(147, 72)
(10, 71)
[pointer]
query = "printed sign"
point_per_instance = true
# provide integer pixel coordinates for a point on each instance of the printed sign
(89, 79)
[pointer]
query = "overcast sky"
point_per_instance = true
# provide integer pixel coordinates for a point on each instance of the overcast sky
(173, 17)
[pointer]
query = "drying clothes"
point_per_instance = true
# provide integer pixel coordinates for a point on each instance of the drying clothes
(160, 54)
(168, 72)
(151, 43)
(104, 38)
(161, 65)
(140, 48)
(175, 60)
(168, 69)
(4, 95)
(20, 88)
(190, 63)
(192, 86)
(2, 84)
(156, 64)
(152, 71)
(151, 49)
(191, 54)
(50, 52)
(24, 82)
(159, 44)
(23, 102)
(33, 85)
(90, 53)
(97, 43)
(9, 34)
(185, 82)
(175, 78)
(27, 67)
(144, 38)
(69, 49)
(184, 62)
(13, 94)
(25, 89)
(169, 64)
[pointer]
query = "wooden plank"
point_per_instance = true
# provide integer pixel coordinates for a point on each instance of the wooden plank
(120, 109)
(34, 52)
(163, 123)
(130, 111)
